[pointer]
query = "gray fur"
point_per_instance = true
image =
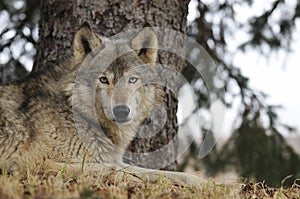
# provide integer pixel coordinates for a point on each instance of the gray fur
(38, 116)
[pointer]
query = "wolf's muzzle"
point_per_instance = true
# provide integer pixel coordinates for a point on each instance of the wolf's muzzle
(121, 113)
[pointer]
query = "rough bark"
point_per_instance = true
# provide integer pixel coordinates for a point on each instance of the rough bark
(60, 19)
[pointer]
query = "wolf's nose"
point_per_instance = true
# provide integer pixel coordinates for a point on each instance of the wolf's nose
(121, 113)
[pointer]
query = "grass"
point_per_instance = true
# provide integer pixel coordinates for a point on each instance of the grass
(48, 185)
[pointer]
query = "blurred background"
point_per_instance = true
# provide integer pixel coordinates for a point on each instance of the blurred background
(255, 46)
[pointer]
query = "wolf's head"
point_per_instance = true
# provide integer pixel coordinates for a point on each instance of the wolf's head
(125, 87)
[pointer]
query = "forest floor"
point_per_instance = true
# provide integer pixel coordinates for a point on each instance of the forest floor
(98, 186)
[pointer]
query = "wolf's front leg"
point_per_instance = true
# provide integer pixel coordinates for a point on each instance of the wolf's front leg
(178, 178)
(135, 173)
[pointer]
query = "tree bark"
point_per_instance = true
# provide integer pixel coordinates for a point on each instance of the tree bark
(60, 19)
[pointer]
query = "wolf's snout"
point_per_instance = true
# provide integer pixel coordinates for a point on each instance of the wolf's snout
(121, 113)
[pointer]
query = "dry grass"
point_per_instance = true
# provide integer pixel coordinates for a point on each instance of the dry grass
(111, 185)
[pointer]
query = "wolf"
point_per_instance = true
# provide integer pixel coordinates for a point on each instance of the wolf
(53, 118)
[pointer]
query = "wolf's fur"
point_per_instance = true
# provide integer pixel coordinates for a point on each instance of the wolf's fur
(36, 116)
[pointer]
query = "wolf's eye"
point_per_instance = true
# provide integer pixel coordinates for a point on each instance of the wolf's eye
(132, 80)
(103, 80)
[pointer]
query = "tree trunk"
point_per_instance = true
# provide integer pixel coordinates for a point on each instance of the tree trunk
(60, 19)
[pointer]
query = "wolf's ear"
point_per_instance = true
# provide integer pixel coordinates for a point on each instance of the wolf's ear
(145, 45)
(85, 41)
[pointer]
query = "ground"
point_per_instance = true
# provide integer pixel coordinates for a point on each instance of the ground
(48, 185)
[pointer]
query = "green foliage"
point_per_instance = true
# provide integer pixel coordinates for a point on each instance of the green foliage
(262, 155)
(256, 149)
